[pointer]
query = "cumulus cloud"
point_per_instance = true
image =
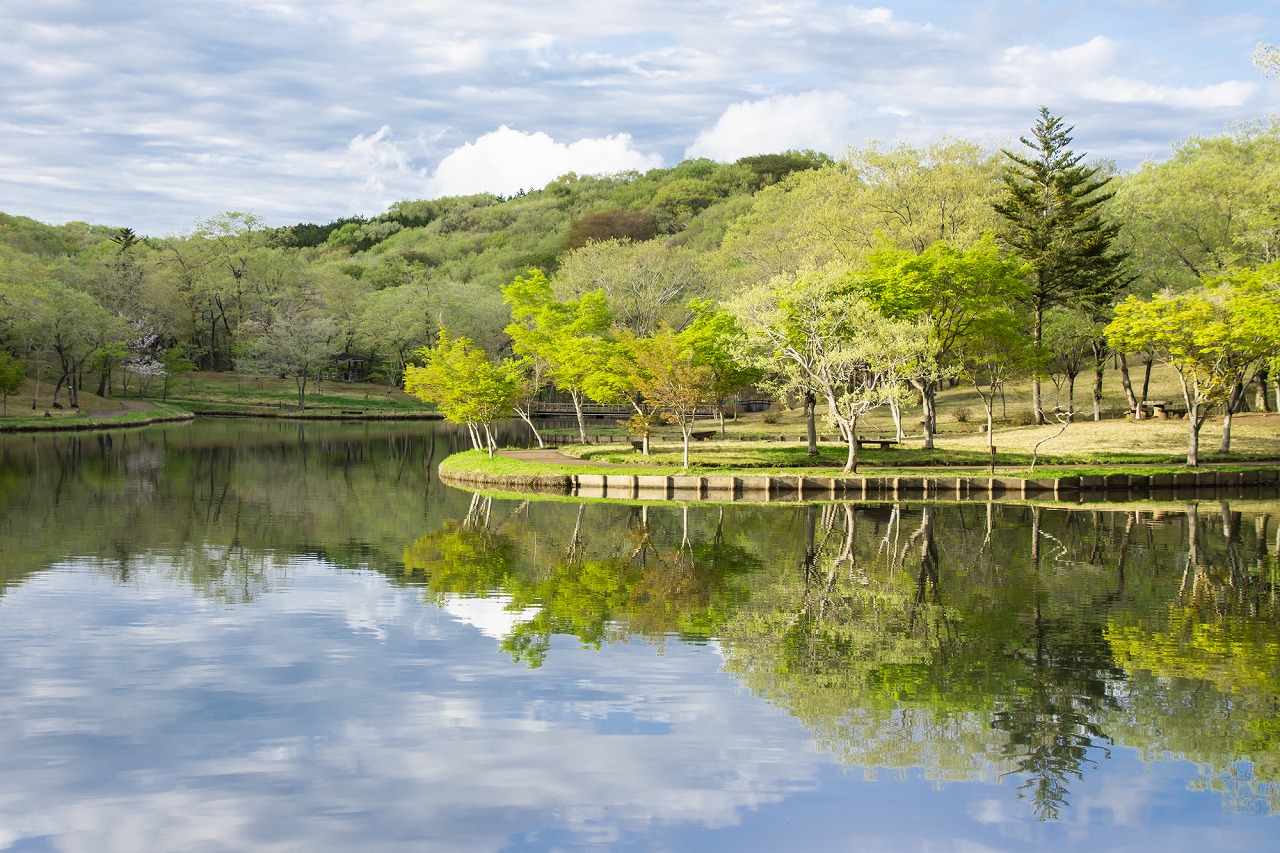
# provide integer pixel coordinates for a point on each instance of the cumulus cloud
(823, 121)
(155, 114)
(506, 160)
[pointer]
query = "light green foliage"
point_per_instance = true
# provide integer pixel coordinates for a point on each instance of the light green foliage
(838, 214)
(667, 374)
(914, 197)
(295, 344)
(952, 295)
(12, 374)
(571, 338)
(1208, 208)
(719, 343)
(1214, 337)
(647, 284)
(466, 385)
(816, 333)
(71, 325)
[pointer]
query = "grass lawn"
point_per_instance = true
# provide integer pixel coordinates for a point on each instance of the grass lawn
(961, 445)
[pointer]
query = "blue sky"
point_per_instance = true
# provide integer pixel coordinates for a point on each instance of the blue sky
(155, 113)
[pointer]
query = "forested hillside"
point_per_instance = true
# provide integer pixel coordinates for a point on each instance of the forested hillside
(927, 237)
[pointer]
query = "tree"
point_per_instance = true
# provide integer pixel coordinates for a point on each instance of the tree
(668, 376)
(297, 345)
(914, 197)
(466, 385)
(719, 343)
(72, 325)
(997, 352)
(393, 323)
(176, 361)
(951, 294)
(1213, 337)
(1069, 335)
(12, 374)
(1267, 57)
(1208, 208)
(815, 333)
(616, 224)
(1052, 211)
(646, 284)
(570, 338)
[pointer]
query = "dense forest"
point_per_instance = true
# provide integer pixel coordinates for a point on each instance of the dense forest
(901, 267)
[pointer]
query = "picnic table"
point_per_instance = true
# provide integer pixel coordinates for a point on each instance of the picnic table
(1164, 410)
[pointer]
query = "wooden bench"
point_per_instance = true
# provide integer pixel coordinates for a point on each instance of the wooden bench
(884, 443)
(702, 434)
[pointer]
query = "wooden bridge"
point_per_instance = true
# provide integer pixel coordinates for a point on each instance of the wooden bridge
(616, 411)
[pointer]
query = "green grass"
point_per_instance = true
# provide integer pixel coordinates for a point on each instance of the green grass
(69, 420)
(225, 392)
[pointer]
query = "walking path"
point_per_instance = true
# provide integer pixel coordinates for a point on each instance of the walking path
(550, 456)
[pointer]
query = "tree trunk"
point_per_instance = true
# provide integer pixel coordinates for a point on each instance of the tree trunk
(928, 402)
(850, 431)
(526, 415)
(1193, 436)
(1146, 380)
(1234, 399)
(1261, 401)
(576, 396)
(1099, 367)
(1127, 384)
(811, 423)
(1037, 405)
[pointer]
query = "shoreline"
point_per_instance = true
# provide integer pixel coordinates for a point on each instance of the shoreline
(1257, 482)
(170, 414)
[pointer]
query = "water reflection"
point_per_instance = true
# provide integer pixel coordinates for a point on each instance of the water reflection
(971, 642)
(248, 635)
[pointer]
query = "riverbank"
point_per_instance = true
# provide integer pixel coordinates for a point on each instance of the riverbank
(130, 413)
(779, 471)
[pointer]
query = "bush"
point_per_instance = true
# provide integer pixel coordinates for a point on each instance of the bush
(773, 415)
(962, 415)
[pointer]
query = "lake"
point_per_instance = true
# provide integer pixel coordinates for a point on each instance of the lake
(263, 635)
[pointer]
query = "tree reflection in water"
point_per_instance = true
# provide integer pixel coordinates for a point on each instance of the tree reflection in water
(960, 641)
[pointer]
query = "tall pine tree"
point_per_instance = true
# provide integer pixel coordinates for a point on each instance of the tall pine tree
(1052, 210)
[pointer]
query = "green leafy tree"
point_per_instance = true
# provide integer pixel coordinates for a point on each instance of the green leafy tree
(12, 374)
(296, 344)
(1212, 337)
(646, 283)
(466, 385)
(668, 376)
(1053, 218)
(816, 333)
(951, 294)
(571, 337)
(720, 344)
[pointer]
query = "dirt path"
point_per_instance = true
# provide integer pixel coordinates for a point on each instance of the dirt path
(550, 456)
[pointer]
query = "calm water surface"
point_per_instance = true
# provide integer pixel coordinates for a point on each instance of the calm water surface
(233, 636)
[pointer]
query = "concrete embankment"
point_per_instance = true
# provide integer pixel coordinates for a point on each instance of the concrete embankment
(1261, 482)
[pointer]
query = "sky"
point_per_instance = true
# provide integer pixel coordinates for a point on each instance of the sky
(154, 114)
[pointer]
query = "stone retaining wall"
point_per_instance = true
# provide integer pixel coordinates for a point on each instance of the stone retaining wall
(1253, 483)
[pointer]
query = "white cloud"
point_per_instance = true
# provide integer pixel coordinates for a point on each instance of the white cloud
(506, 160)
(155, 114)
(823, 121)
